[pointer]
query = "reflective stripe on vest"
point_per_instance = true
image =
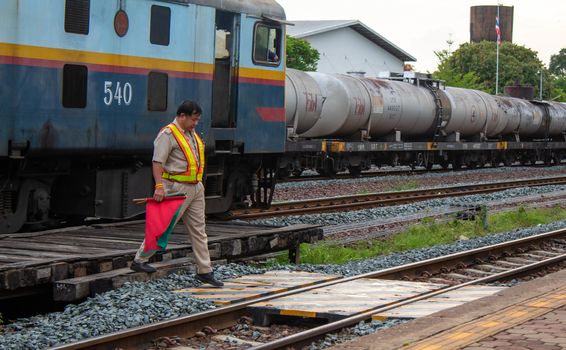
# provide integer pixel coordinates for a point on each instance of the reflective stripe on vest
(194, 172)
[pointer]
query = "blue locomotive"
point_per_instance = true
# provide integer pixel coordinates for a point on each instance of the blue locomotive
(86, 85)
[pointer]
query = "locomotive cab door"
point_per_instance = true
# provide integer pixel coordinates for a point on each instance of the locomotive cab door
(224, 95)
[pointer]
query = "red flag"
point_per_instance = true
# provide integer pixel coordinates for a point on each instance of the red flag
(497, 29)
(160, 219)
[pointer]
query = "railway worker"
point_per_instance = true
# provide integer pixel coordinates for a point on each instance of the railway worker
(176, 168)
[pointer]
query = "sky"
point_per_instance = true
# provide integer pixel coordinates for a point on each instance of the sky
(421, 27)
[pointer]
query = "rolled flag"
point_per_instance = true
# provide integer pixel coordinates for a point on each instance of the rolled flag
(498, 30)
(160, 220)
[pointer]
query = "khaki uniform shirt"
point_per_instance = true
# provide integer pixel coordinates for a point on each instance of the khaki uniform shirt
(166, 150)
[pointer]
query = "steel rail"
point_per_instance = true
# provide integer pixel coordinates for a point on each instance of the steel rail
(384, 198)
(385, 173)
(186, 326)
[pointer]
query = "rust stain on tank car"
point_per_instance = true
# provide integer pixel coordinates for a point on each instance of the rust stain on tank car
(382, 84)
(360, 107)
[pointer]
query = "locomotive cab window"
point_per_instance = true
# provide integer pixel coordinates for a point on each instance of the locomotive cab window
(74, 86)
(77, 16)
(267, 44)
(160, 25)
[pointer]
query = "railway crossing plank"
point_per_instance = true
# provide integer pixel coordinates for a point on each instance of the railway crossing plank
(340, 300)
(254, 286)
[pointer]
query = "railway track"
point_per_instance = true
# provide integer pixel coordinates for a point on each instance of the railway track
(383, 173)
(373, 200)
(534, 253)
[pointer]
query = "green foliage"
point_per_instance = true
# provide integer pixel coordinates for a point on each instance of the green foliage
(558, 63)
(454, 77)
(429, 233)
(404, 186)
(559, 91)
(558, 68)
(473, 65)
(301, 55)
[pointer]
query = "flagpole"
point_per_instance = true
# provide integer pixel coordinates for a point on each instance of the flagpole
(497, 59)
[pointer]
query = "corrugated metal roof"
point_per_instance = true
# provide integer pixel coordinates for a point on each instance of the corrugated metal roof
(303, 29)
(268, 8)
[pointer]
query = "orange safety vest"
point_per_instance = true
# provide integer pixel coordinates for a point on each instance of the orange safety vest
(194, 172)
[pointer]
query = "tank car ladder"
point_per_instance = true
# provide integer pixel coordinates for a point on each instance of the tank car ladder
(439, 110)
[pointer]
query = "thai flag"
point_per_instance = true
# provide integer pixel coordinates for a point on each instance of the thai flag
(497, 30)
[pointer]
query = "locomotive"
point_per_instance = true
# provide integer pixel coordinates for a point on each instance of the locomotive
(86, 88)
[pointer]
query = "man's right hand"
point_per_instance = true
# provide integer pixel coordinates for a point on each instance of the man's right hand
(159, 194)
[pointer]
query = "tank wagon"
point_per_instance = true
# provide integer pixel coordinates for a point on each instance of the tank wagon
(338, 122)
(86, 88)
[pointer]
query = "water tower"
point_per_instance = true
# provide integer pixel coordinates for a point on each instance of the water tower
(482, 23)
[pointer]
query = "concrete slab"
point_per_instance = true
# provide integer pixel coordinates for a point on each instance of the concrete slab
(426, 327)
(440, 302)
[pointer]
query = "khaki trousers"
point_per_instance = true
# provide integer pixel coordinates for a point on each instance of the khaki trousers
(192, 211)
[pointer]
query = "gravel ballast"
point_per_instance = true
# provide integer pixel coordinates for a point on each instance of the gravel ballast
(142, 303)
(288, 191)
(137, 304)
(341, 218)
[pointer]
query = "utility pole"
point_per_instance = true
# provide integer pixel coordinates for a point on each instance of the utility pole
(497, 29)
(540, 86)
(450, 42)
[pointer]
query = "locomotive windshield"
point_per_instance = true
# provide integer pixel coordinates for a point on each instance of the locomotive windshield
(267, 44)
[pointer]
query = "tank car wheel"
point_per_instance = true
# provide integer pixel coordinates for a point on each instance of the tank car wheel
(297, 172)
(506, 161)
(327, 172)
(548, 158)
(557, 159)
(283, 174)
(355, 171)
(494, 161)
(457, 164)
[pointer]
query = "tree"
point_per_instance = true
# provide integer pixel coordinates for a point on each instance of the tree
(473, 65)
(558, 68)
(301, 55)
(453, 77)
(558, 63)
(559, 91)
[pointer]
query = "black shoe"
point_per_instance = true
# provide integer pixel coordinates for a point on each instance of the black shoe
(142, 267)
(209, 278)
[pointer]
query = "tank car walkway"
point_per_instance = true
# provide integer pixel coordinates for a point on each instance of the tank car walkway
(82, 261)
(531, 315)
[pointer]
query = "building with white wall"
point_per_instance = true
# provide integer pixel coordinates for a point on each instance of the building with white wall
(350, 46)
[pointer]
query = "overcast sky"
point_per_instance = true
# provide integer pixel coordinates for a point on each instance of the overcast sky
(421, 27)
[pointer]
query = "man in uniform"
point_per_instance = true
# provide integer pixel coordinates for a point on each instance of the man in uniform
(178, 165)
